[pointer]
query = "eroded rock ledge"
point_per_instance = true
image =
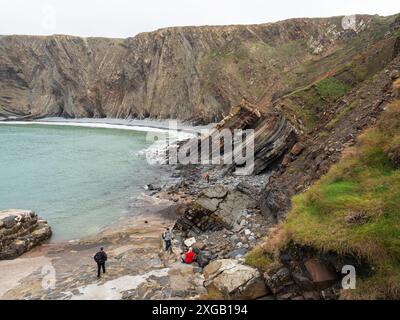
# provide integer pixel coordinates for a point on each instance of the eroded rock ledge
(20, 231)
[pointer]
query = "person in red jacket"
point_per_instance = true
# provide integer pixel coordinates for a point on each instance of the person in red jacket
(189, 256)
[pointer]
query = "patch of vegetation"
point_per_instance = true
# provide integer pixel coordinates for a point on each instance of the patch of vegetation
(355, 209)
(214, 294)
(259, 258)
(331, 89)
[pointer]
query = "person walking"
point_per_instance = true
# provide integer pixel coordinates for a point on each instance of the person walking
(100, 258)
(168, 236)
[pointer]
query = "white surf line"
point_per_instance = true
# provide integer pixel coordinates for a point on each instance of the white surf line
(89, 125)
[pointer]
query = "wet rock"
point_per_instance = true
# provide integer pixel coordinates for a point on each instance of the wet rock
(149, 187)
(9, 221)
(234, 280)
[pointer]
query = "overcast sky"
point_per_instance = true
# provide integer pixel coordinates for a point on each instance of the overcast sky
(125, 18)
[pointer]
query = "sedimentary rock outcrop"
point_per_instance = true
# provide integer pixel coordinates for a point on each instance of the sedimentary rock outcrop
(273, 135)
(194, 73)
(226, 205)
(20, 231)
(310, 159)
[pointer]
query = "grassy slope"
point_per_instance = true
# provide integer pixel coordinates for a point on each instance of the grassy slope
(309, 103)
(364, 184)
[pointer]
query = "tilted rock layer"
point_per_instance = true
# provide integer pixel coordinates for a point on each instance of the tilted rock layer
(190, 73)
(20, 231)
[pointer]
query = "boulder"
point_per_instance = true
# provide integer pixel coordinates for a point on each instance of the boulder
(150, 187)
(321, 276)
(9, 221)
(215, 192)
(234, 280)
(297, 149)
(20, 231)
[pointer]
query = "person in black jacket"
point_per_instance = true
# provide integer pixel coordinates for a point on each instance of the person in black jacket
(100, 258)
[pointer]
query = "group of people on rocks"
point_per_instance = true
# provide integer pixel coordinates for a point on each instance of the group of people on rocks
(192, 254)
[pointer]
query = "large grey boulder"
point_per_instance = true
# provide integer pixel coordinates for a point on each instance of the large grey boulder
(234, 280)
(20, 231)
(226, 204)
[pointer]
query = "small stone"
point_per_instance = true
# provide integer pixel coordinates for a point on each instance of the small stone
(297, 149)
(394, 74)
(9, 222)
(189, 242)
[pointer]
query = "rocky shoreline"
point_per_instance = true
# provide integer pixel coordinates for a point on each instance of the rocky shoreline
(135, 247)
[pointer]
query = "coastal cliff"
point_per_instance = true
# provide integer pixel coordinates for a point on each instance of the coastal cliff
(187, 73)
(316, 85)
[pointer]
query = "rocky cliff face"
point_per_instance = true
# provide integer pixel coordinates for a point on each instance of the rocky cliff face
(190, 73)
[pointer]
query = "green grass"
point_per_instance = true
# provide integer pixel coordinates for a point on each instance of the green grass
(365, 182)
(331, 89)
(259, 258)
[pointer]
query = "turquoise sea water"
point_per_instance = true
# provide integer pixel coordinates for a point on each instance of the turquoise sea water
(79, 179)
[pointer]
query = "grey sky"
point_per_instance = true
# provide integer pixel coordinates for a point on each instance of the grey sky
(125, 18)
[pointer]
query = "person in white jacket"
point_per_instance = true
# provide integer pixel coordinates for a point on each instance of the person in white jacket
(168, 236)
